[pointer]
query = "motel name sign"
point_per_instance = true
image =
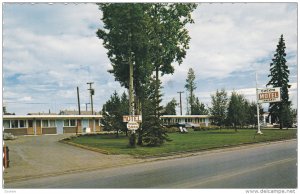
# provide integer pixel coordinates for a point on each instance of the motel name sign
(132, 121)
(133, 118)
(268, 95)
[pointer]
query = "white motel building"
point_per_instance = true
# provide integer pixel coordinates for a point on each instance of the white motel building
(51, 124)
(42, 124)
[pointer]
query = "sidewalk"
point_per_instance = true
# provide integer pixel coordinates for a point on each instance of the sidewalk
(39, 156)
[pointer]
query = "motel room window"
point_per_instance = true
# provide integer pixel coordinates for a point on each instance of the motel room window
(6, 124)
(45, 123)
(22, 123)
(52, 123)
(48, 123)
(70, 123)
(14, 124)
(66, 123)
(30, 123)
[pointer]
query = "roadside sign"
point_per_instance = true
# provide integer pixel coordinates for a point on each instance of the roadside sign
(268, 95)
(133, 118)
(131, 125)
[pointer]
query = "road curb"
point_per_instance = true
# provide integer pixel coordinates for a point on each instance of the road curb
(240, 146)
(225, 147)
(85, 147)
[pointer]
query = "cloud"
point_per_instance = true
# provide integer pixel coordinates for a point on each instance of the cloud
(49, 50)
(229, 37)
(230, 42)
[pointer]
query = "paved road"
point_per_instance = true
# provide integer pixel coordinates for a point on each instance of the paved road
(264, 166)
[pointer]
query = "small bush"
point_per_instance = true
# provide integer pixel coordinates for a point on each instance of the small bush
(9, 136)
(171, 129)
(204, 128)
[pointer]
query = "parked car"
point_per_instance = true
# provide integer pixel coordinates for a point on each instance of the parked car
(188, 125)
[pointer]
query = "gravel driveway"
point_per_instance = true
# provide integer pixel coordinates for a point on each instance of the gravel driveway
(38, 156)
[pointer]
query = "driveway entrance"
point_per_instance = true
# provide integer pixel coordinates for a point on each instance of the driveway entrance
(34, 156)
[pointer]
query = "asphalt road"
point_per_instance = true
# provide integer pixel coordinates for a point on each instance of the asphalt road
(262, 166)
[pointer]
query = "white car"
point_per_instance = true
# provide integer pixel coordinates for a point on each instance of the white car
(189, 125)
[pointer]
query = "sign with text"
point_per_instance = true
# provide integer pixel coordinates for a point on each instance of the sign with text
(268, 95)
(131, 125)
(133, 118)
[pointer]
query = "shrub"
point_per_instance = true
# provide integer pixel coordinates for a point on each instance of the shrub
(9, 136)
(171, 129)
(204, 128)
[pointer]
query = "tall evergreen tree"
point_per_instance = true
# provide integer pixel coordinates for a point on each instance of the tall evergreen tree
(251, 112)
(190, 87)
(236, 114)
(113, 111)
(218, 109)
(170, 108)
(279, 74)
(199, 108)
(152, 134)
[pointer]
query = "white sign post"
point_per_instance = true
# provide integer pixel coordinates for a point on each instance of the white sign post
(257, 107)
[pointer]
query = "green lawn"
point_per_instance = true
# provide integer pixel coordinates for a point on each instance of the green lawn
(191, 141)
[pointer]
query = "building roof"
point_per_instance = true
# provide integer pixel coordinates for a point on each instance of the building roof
(75, 112)
(50, 116)
(186, 116)
(41, 113)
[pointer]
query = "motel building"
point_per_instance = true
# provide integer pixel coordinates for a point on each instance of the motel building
(201, 120)
(41, 124)
(205, 120)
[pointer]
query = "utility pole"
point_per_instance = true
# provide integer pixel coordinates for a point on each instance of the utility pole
(78, 100)
(180, 102)
(187, 104)
(86, 106)
(92, 92)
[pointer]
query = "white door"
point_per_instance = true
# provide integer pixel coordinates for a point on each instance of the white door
(60, 126)
(85, 124)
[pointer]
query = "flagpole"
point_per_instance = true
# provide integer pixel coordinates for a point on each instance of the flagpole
(257, 107)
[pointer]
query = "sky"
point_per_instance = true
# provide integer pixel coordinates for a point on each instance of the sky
(50, 49)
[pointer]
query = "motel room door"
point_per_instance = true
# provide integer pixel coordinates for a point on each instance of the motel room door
(85, 124)
(60, 126)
